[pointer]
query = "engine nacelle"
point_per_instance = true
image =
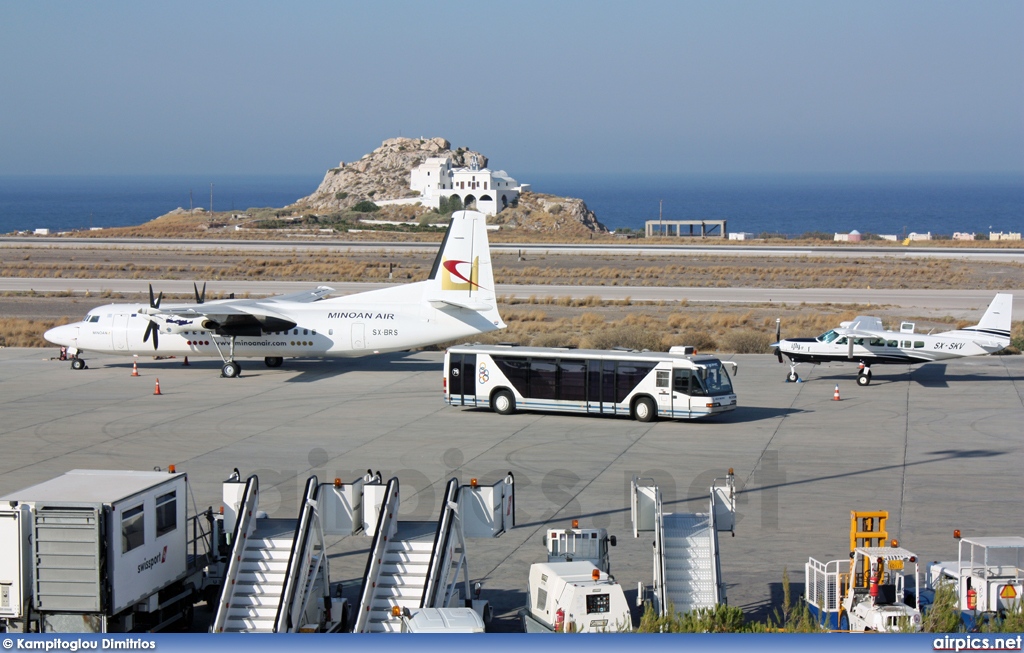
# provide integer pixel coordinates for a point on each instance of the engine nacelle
(183, 325)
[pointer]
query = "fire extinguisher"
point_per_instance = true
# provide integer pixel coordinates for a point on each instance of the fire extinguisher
(875, 573)
(972, 598)
(559, 620)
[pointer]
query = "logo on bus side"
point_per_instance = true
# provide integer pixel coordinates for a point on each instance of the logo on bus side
(485, 376)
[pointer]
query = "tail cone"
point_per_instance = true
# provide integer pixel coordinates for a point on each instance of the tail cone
(156, 391)
(135, 369)
(185, 364)
(835, 397)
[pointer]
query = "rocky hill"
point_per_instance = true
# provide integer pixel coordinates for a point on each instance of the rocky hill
(385, 173)
(382, 174)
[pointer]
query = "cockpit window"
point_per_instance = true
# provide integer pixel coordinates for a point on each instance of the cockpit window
(828, 336)
(91, 318)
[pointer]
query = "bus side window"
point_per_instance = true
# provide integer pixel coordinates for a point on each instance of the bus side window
(663, 378)
(696, 388)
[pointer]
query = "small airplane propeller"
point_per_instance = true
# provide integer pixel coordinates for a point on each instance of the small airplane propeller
(200, 296)
(778, 338)
(151, 328)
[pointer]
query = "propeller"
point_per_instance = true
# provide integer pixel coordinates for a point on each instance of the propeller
(200, 296)
(778, 338)
(152, 328)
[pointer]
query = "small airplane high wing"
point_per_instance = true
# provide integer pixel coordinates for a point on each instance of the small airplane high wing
(864, 340)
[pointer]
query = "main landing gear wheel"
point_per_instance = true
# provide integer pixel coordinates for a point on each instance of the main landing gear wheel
(844, 622)
(231, 369)
(863, 379)
(792, 377)
(504, 403)
(273, 361)
(644, 410)
(77, 364)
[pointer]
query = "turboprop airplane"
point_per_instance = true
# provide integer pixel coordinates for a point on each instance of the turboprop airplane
(457, 300)
(864, 340)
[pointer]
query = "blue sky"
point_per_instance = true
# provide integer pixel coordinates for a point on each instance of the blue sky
(723, 87)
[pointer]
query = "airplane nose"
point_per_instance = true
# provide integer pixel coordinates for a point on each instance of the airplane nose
(61, 335)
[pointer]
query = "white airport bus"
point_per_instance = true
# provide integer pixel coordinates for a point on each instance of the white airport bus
(642, 385)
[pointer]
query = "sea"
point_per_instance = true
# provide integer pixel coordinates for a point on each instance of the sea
(766, 204)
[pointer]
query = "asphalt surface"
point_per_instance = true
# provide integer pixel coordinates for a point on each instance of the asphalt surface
(939, 447)
(633, 248)
(961, 304)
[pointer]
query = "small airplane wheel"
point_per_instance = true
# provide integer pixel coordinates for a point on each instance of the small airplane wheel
(77, 364)
(863, 379)
(273, 361)
(792, 377)
(231, 369)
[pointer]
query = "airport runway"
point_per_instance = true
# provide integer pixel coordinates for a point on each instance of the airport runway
(965, 304)
(632, 248)
(939, 448)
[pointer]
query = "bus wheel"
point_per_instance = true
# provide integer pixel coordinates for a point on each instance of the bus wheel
(644, 410)
(503, 403)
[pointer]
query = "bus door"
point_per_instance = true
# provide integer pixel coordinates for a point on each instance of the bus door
(685, 384)
(462, 379)
(593, 386)
(663, 391)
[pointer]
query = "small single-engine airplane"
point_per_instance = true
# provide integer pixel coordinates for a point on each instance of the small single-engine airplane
(456, 301)
(864, 340)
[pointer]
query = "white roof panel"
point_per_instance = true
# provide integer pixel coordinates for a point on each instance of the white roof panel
(91, 486)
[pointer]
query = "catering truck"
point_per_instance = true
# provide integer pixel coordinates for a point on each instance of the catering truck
(97, 551)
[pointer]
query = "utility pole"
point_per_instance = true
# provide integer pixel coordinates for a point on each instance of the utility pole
(661, 220)
(190, 210)
(211, 198)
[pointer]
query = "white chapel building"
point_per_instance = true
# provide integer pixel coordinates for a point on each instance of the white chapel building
(487, 191)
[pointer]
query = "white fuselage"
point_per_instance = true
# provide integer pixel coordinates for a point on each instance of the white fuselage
(341, 327)
(889, 347)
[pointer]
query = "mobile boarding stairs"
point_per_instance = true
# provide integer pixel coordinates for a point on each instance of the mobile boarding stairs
(687, 567)
(277, 578)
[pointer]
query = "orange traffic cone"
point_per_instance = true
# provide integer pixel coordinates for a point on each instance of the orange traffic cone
(135, 368)
(185, 364)
(835, 397)
(156, 391)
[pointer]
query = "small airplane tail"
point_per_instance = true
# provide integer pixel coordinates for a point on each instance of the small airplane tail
(996, 321)
(462, 276)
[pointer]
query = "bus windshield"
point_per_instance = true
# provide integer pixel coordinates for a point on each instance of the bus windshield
(716, 381)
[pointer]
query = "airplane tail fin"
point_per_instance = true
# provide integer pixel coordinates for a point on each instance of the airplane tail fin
(996, 321)
(462, 276)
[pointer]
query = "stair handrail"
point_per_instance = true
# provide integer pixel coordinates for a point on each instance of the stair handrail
(661, 594)
(244, 526)
(386, 520)
(294, 576)
(716, 570)
(440, 556)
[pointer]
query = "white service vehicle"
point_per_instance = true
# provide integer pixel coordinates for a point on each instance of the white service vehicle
(100, 551)
(988, 576)
(678, 384)
(878, 593)
(442, 620)
(573, 592)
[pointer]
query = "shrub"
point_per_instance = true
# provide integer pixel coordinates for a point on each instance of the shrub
(366, 206)
(340, 195)
(747, 341)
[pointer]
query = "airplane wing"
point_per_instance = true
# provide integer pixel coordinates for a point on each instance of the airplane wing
(303, 296)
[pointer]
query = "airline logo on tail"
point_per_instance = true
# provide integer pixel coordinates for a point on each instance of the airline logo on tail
(455, 279)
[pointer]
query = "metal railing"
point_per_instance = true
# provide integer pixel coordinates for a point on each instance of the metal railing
(442, 552)
(386, 526)
(244, 526)
(302, 569)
